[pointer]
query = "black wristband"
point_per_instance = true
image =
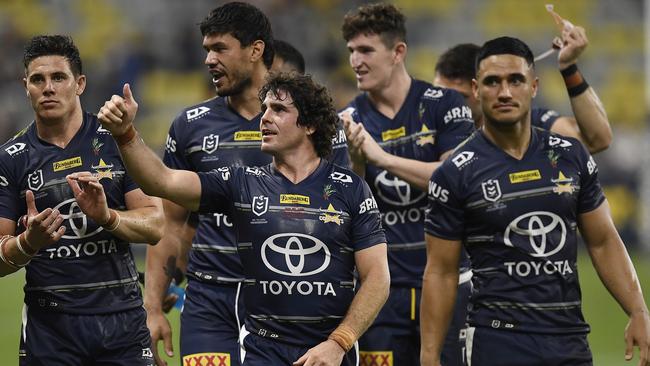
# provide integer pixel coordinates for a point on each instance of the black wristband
(579, 89)
(569, 70)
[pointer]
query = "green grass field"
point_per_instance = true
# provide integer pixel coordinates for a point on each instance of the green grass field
(602, 312)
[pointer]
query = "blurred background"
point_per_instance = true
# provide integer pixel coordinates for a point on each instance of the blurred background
(156, 46)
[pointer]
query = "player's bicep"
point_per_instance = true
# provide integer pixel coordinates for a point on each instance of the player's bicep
(597, 227)
(372, 261)
(184, 188)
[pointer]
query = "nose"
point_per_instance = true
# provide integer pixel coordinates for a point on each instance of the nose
(266, 118)
(504, 90)
(211, 58)
(355, 59)
(49, 86)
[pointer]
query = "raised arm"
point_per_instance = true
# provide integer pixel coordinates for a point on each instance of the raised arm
(372, 266)
(590, 125)
(616, 271)
(364, 149)
(142, 221)
(439, 287)
(144, 166)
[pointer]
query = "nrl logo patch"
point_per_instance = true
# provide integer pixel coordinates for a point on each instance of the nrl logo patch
(210, 143)
(35, 180)
(260, 205)
(491, 190)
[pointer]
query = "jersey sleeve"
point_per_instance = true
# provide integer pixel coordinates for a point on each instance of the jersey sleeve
(366, 220)
(10, 204)
(445, 217)
(591, 193)
(452, 119)
(173, 156)
(340, 154)
(543, 118)
(217, 189)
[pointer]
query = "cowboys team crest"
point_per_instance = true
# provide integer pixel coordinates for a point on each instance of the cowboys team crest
(260, 205)
(491, 190)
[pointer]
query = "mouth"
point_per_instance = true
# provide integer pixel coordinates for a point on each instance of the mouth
(267, 132)
(360, 73)
(49, 103)
(217, 75)
(505, 106)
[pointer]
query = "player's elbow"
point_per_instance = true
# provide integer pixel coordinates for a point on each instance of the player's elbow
(600, 141)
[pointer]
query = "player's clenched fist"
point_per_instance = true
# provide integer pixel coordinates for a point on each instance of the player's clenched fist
(117, 114)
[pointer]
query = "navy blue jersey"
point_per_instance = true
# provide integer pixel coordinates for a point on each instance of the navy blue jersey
(89, 271)
(543, 118)
(518, 221)
(296, 243)
(431, 122)
(205, 137)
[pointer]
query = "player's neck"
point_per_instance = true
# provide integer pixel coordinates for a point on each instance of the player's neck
(388, 99)
(513, 139)
(247, 103)
(296, 166)
(60, 131)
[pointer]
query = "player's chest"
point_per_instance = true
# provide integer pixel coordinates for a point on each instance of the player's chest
(210, 147)
(545, 182)
(319, 211)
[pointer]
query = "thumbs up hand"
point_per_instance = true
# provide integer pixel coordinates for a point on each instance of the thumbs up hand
(117, 114)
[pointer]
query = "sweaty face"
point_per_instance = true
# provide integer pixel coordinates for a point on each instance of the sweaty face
(228, 63)
(464, 87)
(52, 88)
(279, 124)
(371, 61)
(505, 87)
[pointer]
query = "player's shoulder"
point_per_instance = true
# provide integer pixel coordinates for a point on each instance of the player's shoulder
(427, 92)
(469, 152)
(340, 175)
(201, 110)
(17, 146)
(356, 106)
(543, 117)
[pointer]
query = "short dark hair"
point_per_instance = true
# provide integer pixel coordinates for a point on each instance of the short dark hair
(384, 20)
(505, 46)
(458, 62)
(53, 45)
(314, 104)
(244, 22)
(289, 54)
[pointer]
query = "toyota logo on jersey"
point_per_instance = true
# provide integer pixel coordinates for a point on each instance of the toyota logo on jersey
(396, 191)
(539, 233)
(295, 255)
(76, 220)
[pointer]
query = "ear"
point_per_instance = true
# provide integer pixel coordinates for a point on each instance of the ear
(310, 130)
(257, 50)
(534, 86)
(475, 89)
(25, 85)
(399, 51)
(81, 84)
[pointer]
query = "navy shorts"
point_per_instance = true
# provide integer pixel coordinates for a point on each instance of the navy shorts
(394, 337)
(487, 346)
(261, 351)
(53, 339)
(210, 324)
